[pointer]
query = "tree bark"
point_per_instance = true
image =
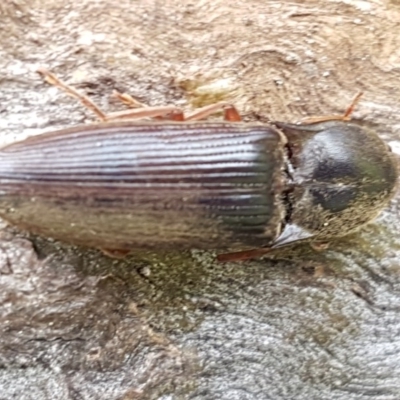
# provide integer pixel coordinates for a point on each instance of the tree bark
(78, 325)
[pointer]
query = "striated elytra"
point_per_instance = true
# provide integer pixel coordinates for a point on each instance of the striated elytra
(121, 186)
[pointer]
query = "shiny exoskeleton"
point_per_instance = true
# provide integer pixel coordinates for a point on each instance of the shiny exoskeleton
(128, 185)
(341, 176)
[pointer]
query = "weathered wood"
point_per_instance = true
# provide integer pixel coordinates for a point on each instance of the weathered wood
(309, 325)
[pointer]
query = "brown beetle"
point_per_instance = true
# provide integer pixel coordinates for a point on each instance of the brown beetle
(121, 185)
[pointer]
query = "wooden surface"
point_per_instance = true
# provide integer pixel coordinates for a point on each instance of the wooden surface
(77, 325)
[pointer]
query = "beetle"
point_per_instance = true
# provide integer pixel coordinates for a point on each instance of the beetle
(181, 183)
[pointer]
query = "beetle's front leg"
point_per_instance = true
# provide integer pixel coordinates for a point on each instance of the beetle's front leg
(243, 255)
(345, 117)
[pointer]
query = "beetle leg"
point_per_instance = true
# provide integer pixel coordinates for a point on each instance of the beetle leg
(53, 80)
(319, 246)
(242, 255)
(345, 117)
(112, 253)
(231, 114)
(169, 112)
(352, 105)
(173, 113)
(142, 111)
(128, 100)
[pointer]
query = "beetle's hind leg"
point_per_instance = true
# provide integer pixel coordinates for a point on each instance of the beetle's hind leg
(126, 114)
(139, 110)
(345, 117)
(53, 80)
